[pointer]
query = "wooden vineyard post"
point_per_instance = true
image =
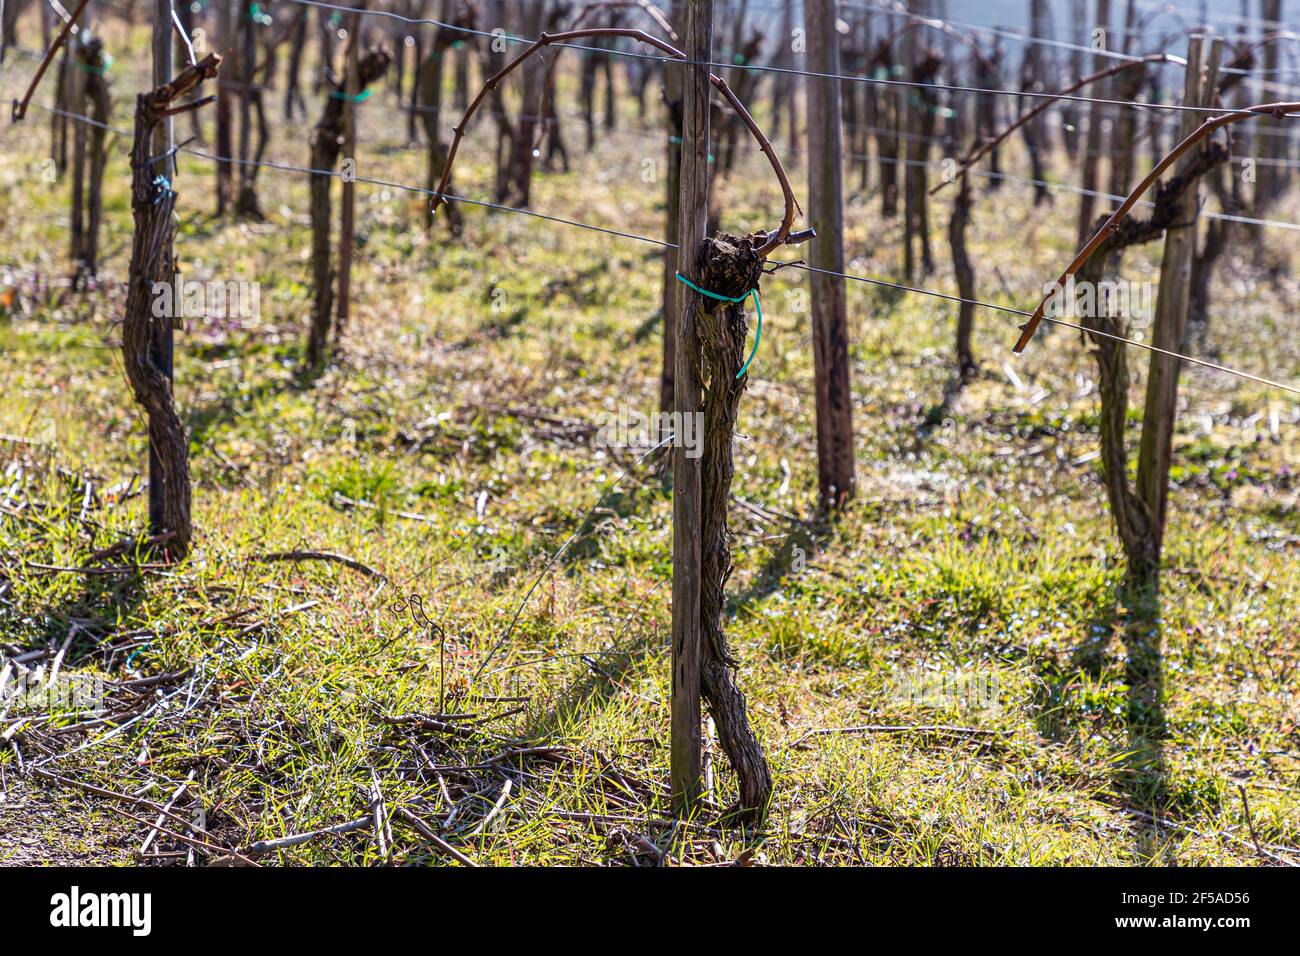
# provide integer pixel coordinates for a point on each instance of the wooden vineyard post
(162, 346)
(835, 473)
(246, 200)
(908, 106)
(693, 204)
(74, 99)
(1093, 147)
(88, 161)
(1170, 321)
(224, 139)
(1273, 140)
(347, 222)
(925, 63)
(147, 337)
(672, 176)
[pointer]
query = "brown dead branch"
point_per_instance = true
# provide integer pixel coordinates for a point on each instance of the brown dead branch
(1044, 103)
(20, 106)
(1117, 217)
(330, 556)
(771, 240)
(548, 85)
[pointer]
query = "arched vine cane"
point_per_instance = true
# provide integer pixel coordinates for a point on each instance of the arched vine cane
(1276, 110)
(601, 6)
(780, 236)
(978, 151)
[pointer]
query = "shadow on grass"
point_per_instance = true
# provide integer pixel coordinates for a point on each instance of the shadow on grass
(1134, 609)
(601, 681)
(650, 325)
(203, 420)
(617, 506)
(801, 544)
(1145, 781)
(90, 616)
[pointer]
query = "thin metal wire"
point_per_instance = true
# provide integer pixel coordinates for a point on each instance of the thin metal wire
(935, 140)
(287, 167)
(892, 10)
(1069, 325)
(852, 77)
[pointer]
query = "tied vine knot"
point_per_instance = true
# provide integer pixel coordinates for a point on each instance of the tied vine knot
(758, 308)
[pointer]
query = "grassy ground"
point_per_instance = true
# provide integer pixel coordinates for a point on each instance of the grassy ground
(452, 452)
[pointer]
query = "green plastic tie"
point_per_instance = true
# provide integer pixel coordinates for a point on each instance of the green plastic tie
(758, 330)
(354, 97)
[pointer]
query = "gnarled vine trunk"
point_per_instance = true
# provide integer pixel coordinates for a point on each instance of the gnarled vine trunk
(728, 266)
(326, 142)
(153, 203)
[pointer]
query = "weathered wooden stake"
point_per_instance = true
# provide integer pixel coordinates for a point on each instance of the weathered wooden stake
(1171, 302)
(347, 221)
(163, 476)
(693, 207)
(924, 63)
(88, 161)
(673, 103)
(74, 101)
(835, 471)
(1273, 140)
(1096, 116)
(223, 120)
(246, 202)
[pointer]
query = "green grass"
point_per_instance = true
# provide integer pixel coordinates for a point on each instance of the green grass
(979, 543)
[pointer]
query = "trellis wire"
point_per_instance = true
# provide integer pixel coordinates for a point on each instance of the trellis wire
(852, 77)
(287, 167)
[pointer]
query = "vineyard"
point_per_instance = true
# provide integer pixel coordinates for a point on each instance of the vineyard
(706, 432)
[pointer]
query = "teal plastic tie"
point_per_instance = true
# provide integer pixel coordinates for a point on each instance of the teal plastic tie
(93, 69)
(355, 98)
(758, 308)
(132, 656)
